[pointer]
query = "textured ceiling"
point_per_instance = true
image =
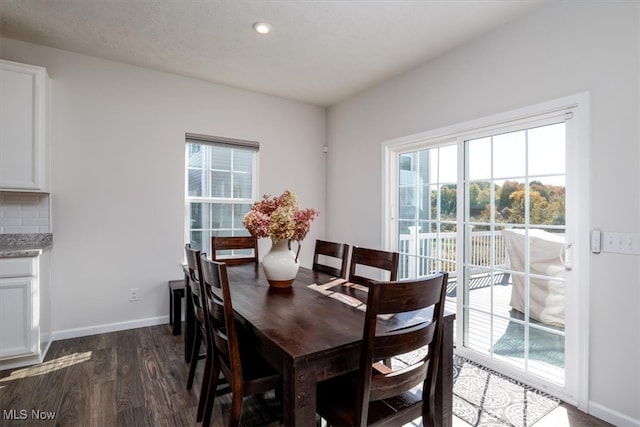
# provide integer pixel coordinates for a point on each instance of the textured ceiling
(319, 52)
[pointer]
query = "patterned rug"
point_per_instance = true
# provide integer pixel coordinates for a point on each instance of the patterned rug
(485, 398)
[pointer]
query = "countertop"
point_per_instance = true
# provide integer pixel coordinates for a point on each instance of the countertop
(23, 245)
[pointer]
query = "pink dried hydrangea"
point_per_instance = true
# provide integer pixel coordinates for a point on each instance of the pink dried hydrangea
(279, 218)
(302, 222)
(257, 223)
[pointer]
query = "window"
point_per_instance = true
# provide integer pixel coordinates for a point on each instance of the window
(427, 197)
(221, 177)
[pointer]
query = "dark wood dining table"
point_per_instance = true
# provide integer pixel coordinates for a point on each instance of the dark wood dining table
(310, 337)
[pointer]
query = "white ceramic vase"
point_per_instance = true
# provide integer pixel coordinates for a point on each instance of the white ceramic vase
(280, 265)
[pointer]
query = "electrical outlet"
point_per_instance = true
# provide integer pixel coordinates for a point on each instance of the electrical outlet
(133, 294)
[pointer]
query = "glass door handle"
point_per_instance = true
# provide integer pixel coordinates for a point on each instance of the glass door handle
(566, 256)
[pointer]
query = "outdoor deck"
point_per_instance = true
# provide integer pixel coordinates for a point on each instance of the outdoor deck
(500, 336)
(505, 333)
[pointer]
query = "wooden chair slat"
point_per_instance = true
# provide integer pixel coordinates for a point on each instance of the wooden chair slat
(373, 258)
(225, 243)
(339, 251)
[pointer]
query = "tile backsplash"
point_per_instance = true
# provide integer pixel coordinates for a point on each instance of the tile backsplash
(24, 213)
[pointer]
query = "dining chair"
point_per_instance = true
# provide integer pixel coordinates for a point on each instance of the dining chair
(246, 372)
(197, 300)
(377, 394)
(234, 243)
(327, 255)
(373, 258)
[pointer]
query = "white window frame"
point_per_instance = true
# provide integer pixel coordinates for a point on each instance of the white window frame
(206, 140)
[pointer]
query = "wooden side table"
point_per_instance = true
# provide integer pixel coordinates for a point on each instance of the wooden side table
(176, 294)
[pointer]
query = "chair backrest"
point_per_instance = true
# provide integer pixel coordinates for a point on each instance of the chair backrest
(229, 243)
(396, 297)
(222, 327)
(382, 260)
(340, 251)
(193, 265)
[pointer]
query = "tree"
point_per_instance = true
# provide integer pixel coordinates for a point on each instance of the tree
(504, 194)
(448, 201)
(539, 213)
(546, 202)
(479, 200)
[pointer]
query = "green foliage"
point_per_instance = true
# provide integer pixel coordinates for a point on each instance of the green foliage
(448, 202)
(546, 203)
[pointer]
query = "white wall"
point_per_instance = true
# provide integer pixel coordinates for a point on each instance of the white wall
(118, 177)
(560, 50)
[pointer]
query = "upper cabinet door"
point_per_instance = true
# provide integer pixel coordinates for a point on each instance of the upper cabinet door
(24, 127)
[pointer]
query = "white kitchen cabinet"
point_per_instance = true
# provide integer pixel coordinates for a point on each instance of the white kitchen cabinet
(24, 310)
(16, 318)
(24, 127)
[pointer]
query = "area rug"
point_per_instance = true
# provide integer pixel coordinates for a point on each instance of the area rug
(485, 398)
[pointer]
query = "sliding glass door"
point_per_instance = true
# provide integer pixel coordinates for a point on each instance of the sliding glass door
(497, 204)
(515, 249)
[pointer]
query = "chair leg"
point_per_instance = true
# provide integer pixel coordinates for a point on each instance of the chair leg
(236, 409)
(210, 395)
(194, 358)
(279, 392)
(204, 390)
(429, 419)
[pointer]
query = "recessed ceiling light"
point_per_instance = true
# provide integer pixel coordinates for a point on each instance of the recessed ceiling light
(262, 27)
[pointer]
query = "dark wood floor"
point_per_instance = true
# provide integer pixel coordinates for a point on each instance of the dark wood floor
(132, 378)
(128, 378)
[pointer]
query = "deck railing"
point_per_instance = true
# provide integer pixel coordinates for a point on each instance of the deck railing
(422, 254)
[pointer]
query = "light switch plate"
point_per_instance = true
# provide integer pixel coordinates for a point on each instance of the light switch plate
(621, 243)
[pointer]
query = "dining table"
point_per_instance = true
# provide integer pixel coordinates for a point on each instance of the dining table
(312, 332)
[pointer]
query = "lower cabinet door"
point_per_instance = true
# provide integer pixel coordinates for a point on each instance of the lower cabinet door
(17, 325)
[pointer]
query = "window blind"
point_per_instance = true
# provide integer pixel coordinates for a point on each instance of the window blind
(220, 140)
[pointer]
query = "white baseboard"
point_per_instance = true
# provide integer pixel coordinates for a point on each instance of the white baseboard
(611, 416)
(110, 327)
